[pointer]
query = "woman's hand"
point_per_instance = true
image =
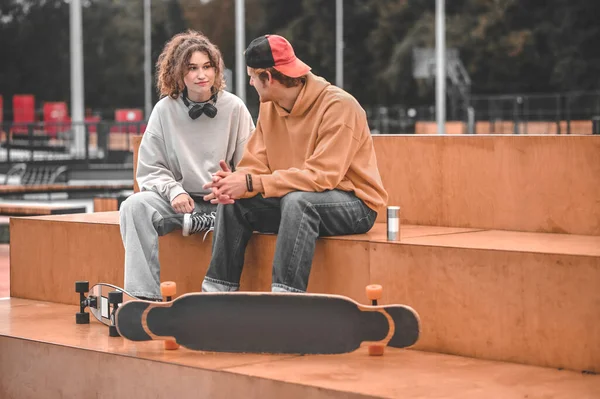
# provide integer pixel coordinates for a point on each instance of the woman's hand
(183, 203)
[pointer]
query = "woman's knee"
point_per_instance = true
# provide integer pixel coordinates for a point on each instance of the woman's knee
(135, 202)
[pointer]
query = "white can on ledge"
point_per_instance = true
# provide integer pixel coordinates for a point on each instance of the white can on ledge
(393, 223)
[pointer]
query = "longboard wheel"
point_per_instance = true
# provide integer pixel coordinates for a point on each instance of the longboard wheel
(168, 288)
(82, 318)
(82, 286)
(171, 345)
(376, 350)
(112, 331)
(115, 297)
(374, 292)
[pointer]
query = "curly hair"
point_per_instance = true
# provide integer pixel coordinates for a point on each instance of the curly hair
(172, 64)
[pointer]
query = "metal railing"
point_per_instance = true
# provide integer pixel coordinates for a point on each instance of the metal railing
(89, 141)
(560, 113)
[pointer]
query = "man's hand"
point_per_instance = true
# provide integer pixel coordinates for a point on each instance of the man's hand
(232, 186)
(183, 203)
(224, 172)
(213, 197)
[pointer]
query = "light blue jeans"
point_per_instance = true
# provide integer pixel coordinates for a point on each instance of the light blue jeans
(145, 216)
(298, 218)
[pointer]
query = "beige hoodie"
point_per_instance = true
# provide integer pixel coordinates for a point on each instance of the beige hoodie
(324, 143)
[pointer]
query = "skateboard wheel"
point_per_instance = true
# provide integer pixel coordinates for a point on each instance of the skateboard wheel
(168, 288)
(82, 286)
(115, 297)
(82, 318)
(112, 331)
(171, 345)
(376, 350)
(374, 292)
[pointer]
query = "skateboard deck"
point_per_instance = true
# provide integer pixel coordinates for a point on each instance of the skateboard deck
(268, 323)
(97, 301)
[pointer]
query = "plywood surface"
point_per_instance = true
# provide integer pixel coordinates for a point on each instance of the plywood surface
(4, 271)
(523, 183)
(400, 373)
(524, 307)
(52, 188)
(530, 183)
(486, 294)
(108, 218)
(499, 240)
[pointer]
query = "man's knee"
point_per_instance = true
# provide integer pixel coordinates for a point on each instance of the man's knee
(228, 210)
(295, 199)
(297, 208)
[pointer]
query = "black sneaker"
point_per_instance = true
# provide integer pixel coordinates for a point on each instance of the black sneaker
(195, 222)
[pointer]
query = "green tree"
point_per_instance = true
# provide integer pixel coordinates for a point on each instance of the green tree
(507, 46)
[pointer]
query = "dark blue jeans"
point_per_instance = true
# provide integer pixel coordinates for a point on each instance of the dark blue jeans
(298, 218)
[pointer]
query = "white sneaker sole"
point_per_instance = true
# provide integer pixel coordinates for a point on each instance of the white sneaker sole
(187, 224)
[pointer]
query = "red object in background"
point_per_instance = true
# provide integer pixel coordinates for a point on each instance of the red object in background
(23, 112)
(23, 108)
(89, 121)
(127, 115)
(56, 118)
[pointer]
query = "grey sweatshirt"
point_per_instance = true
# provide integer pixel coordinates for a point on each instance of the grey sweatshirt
(179, 155)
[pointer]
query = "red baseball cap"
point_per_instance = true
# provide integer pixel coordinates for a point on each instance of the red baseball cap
(275, 51)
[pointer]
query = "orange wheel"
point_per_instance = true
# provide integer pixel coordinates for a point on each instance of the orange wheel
(376, 350)
(168, 288)
(171, 345)
(374, 292)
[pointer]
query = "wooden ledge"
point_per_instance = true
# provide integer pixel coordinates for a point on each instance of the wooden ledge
(28, 325)
(60, 188)
(437, 236)
(110, 218)
(8, 209)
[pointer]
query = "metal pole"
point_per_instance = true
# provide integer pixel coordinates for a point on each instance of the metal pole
(147, 60)
(440, 80)
(77, 90)
(339, 43)
(240, 39)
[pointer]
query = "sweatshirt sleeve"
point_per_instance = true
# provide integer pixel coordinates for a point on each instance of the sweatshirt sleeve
(153, 172)
(246, 127)
(254, 160)
(337, 143)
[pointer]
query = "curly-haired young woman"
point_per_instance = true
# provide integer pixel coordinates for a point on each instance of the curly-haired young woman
(195, 125)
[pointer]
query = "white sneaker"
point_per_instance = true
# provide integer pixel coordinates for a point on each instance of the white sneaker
(195, 222)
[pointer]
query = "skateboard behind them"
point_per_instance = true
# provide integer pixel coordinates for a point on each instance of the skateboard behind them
(271, 322)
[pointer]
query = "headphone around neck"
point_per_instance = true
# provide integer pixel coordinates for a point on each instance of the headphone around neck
(197, 109)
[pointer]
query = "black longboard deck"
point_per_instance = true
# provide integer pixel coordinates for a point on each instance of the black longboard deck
(268, 323)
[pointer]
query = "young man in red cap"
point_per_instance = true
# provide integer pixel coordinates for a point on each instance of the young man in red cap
(308, 170)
